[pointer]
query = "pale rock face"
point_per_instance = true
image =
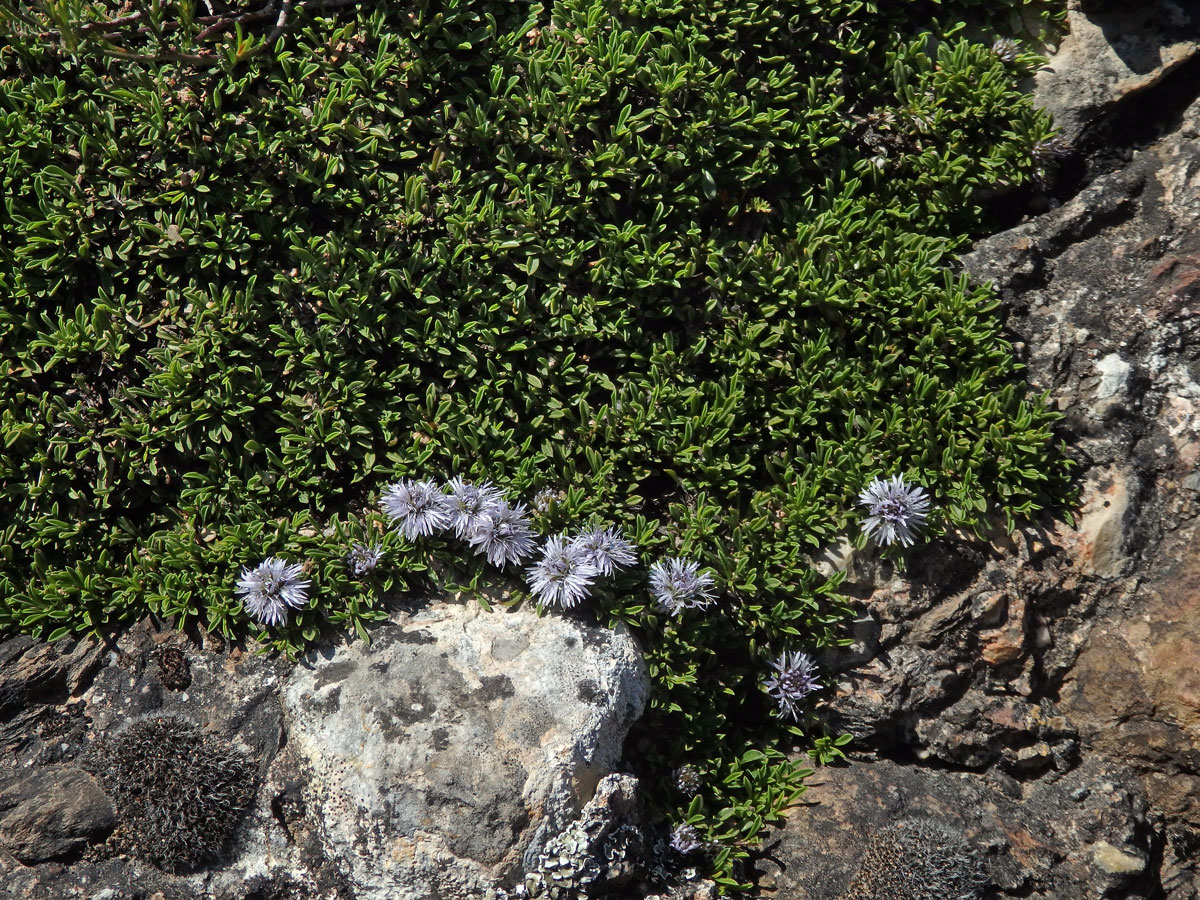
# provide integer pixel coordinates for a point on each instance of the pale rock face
(1110, 54)
(444, 755)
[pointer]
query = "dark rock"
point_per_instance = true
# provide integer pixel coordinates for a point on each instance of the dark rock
(1087, 834)
(52, 811)
(1059, 651)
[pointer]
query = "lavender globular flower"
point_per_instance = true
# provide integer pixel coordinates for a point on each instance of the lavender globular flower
(503, 534)
(416, 508)
(895, 510)
(678, 584)
(1006, 49)
(1049, 150)
(362, 559)
(467, 503)
(563, 576)
(607, 550)
(271, 588)
(685, 839)
(794, 679)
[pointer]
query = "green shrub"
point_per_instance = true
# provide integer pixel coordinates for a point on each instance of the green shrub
(689, 265)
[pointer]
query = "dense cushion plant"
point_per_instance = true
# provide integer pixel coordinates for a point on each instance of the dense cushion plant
(684, 268)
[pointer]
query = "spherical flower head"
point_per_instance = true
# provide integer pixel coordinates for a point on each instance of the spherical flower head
(563, 576)
(416, 508)
(503, 534)
(1006, 49)
(362, 559)
(894, 510)
(1049, 150)
(467, 504)
(271, 587)
(688, 780)
(545, 500)
(794, 679)
(678, 584)
(606, 549)
(685, 839)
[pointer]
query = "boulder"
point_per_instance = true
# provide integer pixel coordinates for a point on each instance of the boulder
(52, 811)
(443, 757)
(1113, 51)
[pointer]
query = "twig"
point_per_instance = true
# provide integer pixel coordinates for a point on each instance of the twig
(215, 25)
(263, 12)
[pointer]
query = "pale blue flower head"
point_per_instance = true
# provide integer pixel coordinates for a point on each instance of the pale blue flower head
(794, 679)
(416, 508)
(895, 510)
(606, 549)
(1006, 49)
(563, 576)
(362, 559)
(685, 839)
(678, 584)
(271, 588)
(1049, 150)
(503, 534)
(467, 504)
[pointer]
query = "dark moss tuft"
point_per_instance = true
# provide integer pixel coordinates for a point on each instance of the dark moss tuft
(179, 793)
(919, 859)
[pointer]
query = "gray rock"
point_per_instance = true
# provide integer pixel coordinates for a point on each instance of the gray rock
(458, 744)
(1112, 52)
(601, 850)
(51, 811)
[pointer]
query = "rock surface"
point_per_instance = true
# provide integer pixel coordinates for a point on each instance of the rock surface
(51, 811)
(1081, 835)
(455, 746)
(438, 761)
(1111, 52)
(1041, 692)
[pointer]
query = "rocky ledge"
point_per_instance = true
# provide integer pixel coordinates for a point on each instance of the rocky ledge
(1038, 695)
(1026, 709)
(444, 759)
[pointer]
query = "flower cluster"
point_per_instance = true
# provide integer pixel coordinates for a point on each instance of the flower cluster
(503, 534)
(416, 508)
(794, 679)
(685, 839)
(1006, 49)
(468, 503)
(895, 510)
(476, 512)
(678, 584)
(271, 588)
(564, 574)
(479, 513)
(362, 559)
